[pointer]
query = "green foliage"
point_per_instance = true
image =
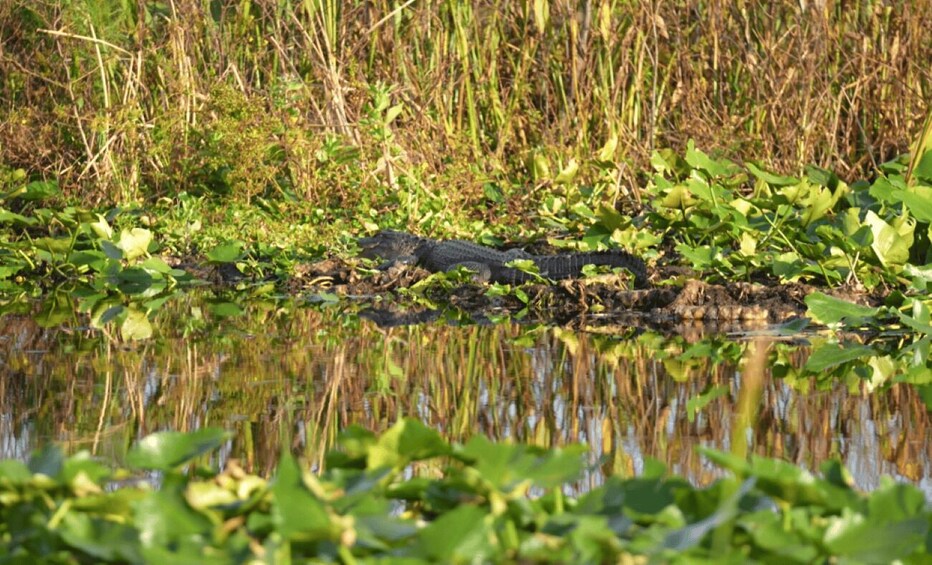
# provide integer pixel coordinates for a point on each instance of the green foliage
(734, 222)
(480, 500)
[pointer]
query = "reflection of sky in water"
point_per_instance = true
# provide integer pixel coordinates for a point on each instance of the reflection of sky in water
(297, 385)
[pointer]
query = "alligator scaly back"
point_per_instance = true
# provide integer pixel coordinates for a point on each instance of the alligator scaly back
(490, 264)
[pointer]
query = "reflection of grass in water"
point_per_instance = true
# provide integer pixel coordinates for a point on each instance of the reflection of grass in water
(281, 375)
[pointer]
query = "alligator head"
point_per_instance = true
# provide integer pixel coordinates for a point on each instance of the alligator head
(389, 245)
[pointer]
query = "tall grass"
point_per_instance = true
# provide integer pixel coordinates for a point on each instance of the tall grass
(123, 100)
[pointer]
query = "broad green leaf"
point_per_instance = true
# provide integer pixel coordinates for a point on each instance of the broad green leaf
(156, 265)
(226, 253)
(507, 465)
(923, 170)
(203, 496)
(406, 441)
(13, 471)
(101, 539)
(460, 536)
(699, 160)
(54, 244)
(918, 200)
(914, 323)
(101, 228)
(94, 260)
(770, 533)
(874, 541)
(105, 313)
(819, 202)
(829, 310)
(83, 464)
(297, 513)
(134, 280)
(111, 250)
(890, 245)
(135, 242)
(18, 220)
(679, 197)
(769, 177)
(165, 451)
(164, 520)
(393, 113)
(687, 537)
(40, 190)
(607, 152)
(609, 217)
(225, 309)
(922, 275)
(136, 326)
(540, 167)
(830, 355)
(697, 403)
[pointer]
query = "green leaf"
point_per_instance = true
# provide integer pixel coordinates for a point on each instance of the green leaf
(13, 471)
(817, 204)
(134, 280)
(135, 242)
(102, 539)
(890, 245)
(296, 512)
(101, 228)
(874, 540)
(609, 217)
(923, 170)
(226, 253)
(607, 152)
(769, 177)
(94, 260)
(697, 403)
(111, 250)
(829, 310)
(165, 522)
(406, 441)
(82, 464)
(568, 174)
(18, 220)
(393, 113)
(40, 190)
(506, 465)
(918, 200)
(136, 326)
(225, 309)
(460, 536)
(914, 323)
(831, 355)
(699, 160)
(156, 265)
(164, 451)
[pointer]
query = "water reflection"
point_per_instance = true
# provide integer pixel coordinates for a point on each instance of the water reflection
(286, 375)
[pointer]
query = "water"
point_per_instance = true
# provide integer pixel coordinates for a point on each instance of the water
(287, 375)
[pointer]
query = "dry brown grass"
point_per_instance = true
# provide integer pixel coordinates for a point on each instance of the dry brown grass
(112, 103)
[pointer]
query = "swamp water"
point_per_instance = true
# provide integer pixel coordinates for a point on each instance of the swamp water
(292, 375)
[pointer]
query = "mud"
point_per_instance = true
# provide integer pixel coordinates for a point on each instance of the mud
(676, 302)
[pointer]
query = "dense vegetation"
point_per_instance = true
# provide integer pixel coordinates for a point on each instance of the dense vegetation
(474, 506)
(140, 142)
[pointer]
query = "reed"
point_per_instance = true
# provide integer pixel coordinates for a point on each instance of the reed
(126, 101)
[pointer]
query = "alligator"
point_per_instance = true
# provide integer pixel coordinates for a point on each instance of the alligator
(490, 264)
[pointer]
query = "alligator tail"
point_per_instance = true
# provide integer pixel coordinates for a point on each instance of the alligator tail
(570, 265)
